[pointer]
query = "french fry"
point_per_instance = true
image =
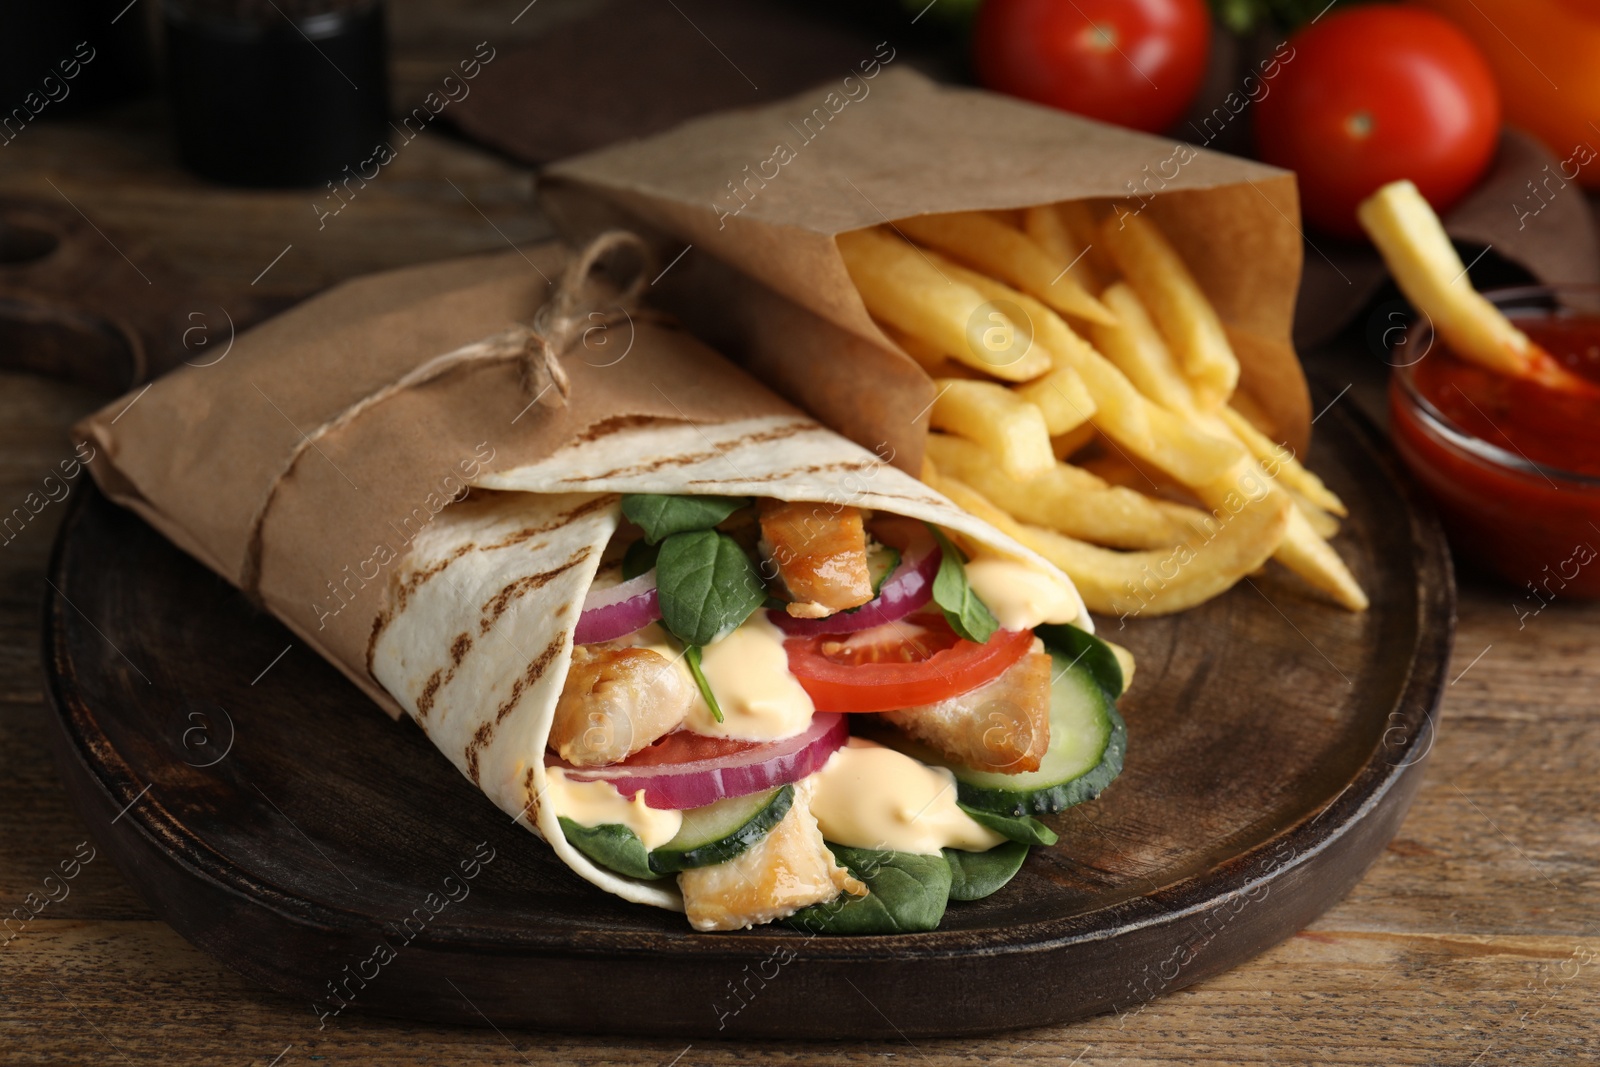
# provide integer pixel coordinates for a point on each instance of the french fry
(1049, 231)
(987, 244)
(929, 358)
(1062, 397)
(1138, 350)
(1082, 220)
(1122, 413)
(1010, 428)
(1322, 524)
(1281, 463)
(901, 286)
(1155, 388)
(1066, 445)
(1301, 550)
(1154, 581)
(1116, 468)
(1315, 561)
(1175, 301)
(1064, 498)
(1425, 265)
(1163, 581)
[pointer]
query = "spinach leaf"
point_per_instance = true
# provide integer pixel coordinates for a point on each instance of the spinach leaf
(968, 616)
(1024, 829)
(1087, 650)
(974, 875)
(909, 892)
(661, 515)
(612, 846)
(691, 656)
(639, 558)
(707, 586)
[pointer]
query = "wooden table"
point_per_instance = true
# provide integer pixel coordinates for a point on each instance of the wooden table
(1473, 942)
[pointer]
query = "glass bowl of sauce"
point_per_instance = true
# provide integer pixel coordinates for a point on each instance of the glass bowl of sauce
(1512, 466)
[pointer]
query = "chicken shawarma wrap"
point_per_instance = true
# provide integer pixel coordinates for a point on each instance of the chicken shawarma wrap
(743, 669)
(721, 659)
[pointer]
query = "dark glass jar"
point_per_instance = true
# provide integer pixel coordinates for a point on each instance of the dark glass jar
(1513, 468)
(276, 94)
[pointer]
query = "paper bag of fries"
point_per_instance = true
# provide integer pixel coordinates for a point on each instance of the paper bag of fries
(1093, 323)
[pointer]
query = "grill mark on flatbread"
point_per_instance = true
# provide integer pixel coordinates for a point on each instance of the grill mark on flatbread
(531, 808)
(616, 424)
(400, 590)
(418, 578)
(479, 739)
(497, 604)
(815, 468)
(430, 691)
(379, 621)
(443, 677)
(689, 459)
(567, 517)
(536, 668)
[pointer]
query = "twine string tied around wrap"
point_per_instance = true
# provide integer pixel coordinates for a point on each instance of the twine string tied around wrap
(580, 304)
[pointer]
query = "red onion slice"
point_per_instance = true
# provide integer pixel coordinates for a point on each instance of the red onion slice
(750, 769)
(907, 589)
(618, 611)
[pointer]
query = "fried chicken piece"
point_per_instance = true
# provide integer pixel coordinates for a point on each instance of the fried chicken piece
(821, 555)
(787, 870)
(616, 702)
(1003, 725)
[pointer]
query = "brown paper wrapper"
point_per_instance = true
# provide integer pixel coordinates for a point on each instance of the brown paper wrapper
(764, 277)
(199, 451)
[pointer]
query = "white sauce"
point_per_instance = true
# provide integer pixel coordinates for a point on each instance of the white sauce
(599, 803)
(869, 796)
(1021, 595)
(749, 672)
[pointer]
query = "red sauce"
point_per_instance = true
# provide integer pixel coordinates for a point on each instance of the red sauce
(1538, 530)
(1547, 426)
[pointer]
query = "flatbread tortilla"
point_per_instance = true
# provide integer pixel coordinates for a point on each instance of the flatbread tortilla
(476, 638)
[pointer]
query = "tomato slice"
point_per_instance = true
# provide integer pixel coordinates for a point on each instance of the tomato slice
(901, 664)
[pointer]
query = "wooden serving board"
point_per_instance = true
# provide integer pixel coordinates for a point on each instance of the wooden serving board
(280, 822)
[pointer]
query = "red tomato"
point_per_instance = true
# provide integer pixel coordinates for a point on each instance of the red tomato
(1544, 64)
(1373, 94)
(1135, 63)
(899, 664)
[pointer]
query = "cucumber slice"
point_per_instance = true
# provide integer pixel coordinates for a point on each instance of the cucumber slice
(1087, 650)
(881, 562)
(1087, 742)
(720, 831)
